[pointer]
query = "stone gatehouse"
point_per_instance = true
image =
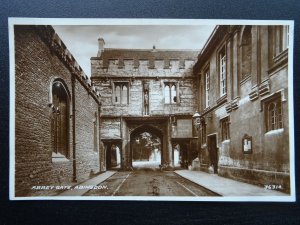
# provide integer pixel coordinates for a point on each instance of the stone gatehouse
(150, 90)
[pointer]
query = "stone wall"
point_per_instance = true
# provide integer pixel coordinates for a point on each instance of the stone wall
(136, 72)
(37, 65)
(243, 105)
(140, 69)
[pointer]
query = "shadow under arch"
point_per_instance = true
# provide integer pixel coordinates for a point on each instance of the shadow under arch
(149, 129)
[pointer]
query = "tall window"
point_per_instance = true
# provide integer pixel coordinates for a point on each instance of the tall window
(281, 39)
(207, 86)
(225, 132)
(60, 119)
(170, 92)
(246, 52)
(222, 71)
(124, 95)
(274, 114)
(121, 93)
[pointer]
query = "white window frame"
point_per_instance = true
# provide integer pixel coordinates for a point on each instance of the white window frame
(207, 86)
(281, 39)
(222, 72)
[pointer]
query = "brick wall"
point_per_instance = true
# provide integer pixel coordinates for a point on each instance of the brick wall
(86, 111)
(36, 66)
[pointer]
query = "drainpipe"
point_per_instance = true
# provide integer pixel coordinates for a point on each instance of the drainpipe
(122, 151)
(99, 138)
(74, 128)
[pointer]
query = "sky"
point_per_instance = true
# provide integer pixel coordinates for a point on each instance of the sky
(82, 40)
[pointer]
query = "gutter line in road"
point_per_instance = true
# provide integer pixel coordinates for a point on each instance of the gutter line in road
(189, 190)
(118, 188)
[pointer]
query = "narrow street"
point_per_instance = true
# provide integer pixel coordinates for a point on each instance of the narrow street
(146, 182)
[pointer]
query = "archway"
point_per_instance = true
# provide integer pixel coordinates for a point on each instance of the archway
(113, 154)
(146, 147)
(180, 155)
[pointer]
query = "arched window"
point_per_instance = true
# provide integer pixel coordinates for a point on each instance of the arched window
(170, 91)
(124, 94)
(60, 119)
(121, 93)
(274, 115)
(167, 94)
(118, 94)
(246, 52)
(173, 94)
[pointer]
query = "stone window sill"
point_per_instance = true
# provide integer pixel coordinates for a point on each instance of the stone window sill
(274, 132)
(247, 78)
(222, 99)
(280, 56)
(206, 109)
(226, 141)
(57, 157)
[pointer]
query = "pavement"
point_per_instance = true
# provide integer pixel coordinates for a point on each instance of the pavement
(82, 188)
(224, 186)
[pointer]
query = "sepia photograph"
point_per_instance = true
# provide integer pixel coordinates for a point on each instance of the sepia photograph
(151, 109)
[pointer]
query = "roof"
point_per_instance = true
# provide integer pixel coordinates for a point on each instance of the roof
(218, 35)
(146, 54)
(158, 54)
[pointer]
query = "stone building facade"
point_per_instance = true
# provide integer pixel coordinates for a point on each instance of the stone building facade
(57, 127)
(243, 103)
(146, 90)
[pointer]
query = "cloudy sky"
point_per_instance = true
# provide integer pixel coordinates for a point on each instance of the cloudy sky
(81, 40)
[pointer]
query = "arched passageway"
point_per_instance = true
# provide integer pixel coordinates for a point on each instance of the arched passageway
(146, 147)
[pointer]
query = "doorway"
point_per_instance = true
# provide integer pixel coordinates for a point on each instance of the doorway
(213, 151)
(113, 155)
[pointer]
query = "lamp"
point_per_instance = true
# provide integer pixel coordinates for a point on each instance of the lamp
(196, 120)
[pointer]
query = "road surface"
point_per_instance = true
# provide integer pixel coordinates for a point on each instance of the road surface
(145, 182)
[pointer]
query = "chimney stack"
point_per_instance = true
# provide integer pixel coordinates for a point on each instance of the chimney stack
(101, 44)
